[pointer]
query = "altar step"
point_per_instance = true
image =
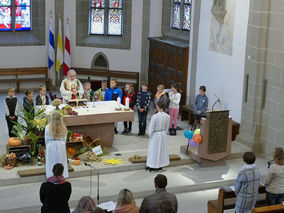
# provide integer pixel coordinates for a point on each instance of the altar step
(83, 171)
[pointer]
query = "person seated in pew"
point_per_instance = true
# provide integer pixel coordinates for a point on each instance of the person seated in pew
(152, 203)
(126, 203)
(246, 187)
(86, 205)
(42, 98)
(55, 192)
(274, 181)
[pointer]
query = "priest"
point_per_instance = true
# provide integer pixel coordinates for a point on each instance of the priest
(71, 87)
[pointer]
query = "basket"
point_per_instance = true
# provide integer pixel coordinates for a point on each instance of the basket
(11, 161)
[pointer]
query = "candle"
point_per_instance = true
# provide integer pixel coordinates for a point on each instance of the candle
(118, 102)
(127, 103)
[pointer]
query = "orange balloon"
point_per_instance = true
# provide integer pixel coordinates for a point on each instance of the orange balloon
(197, 138)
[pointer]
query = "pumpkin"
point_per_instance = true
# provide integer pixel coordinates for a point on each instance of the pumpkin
(13, 141)
(71, 151)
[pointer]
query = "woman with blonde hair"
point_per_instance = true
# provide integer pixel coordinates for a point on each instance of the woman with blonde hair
(55, 143)
(86, 205)
(274, 181)
(125, 202)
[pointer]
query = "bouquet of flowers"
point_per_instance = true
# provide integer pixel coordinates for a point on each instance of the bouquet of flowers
(40, 123)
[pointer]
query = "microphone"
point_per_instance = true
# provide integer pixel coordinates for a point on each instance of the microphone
(98, 181)
(218, 100)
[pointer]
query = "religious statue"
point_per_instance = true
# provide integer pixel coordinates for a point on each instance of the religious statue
(71, 87)
(218, 10)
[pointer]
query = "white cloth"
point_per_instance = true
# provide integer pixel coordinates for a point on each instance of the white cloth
(174, 100)
(55, 152)
(66, 89)
(158, 146)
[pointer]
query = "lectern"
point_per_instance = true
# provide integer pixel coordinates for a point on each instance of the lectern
(216, 132)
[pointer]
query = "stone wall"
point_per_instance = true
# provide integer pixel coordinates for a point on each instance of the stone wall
(262, 123)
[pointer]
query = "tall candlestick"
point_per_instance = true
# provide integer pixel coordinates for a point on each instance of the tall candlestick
(127, 103)
(118, 102)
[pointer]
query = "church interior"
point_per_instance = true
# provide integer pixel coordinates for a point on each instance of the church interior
(232, 47)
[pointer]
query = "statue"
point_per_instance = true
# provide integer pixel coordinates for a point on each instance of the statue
(218, 10)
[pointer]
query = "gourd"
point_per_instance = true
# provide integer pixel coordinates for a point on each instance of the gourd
(71, 151)
(13, 141)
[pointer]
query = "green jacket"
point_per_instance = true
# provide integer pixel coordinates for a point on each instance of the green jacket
(102, 94)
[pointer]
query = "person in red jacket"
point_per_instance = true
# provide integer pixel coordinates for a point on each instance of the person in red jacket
(128, 93)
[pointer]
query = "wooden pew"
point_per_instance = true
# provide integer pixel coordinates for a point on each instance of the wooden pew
(15, 76)
(267, 209)
(187, 112)
(227, 200)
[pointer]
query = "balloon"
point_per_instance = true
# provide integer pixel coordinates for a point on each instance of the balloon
(197, 138)
(191, 142)
(188, 134)
(197, 132)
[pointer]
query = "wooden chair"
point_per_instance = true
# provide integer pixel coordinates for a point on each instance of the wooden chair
(269, 209)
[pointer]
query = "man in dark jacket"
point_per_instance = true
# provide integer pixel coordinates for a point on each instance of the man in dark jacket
(152, 203)
(55, 193)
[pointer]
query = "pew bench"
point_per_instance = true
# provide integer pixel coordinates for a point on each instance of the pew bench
(187, 112)
(227, 200)
(269, 209)
(21, 75)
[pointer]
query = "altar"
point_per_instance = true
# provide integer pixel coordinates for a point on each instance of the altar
(97, 120)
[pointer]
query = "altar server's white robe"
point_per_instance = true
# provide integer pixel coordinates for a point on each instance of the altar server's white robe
(55, 152)
(158, 146)
(67, 86)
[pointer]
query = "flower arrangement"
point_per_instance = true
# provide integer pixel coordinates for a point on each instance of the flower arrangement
(40, 122)
(56, 103)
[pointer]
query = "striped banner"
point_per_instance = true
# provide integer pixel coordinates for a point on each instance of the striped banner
(51, 52)
(59, 57)
(67, 57)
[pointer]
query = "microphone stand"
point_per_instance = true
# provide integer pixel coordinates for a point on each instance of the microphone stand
(98, 181)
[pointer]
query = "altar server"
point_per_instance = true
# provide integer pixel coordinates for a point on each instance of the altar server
(42, 98)
(55, 143)
(29, 102)
(11, 105)
(71, 87)
(158, 156)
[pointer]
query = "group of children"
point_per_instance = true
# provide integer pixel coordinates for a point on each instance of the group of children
(141, 100)
(12, 105)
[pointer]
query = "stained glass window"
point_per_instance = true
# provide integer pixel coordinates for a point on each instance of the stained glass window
(181, 11)
(106, 17)
(22, 15)
(5, 15)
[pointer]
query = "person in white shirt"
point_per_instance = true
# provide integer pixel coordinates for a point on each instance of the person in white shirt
(174, 96)
(71, 87)
(158, 156)
(55, 143)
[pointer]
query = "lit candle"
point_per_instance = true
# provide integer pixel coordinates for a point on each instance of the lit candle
(118, 102)
(127, 103)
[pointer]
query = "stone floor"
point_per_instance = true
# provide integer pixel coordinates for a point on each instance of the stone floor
(192, 184)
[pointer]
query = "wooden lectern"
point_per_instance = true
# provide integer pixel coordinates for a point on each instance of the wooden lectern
(216, 132)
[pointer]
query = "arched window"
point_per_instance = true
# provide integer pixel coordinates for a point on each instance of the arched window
(106, 17)
(100, 61)
(15, 15)
(181, 11)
